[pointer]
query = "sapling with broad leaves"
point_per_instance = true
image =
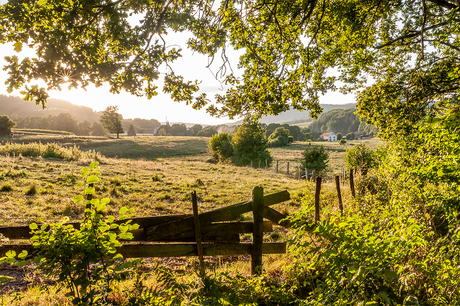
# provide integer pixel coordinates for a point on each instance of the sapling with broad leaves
(85, 260)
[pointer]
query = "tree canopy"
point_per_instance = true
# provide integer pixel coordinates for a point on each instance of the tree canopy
(400, 57)
(111, 120)
(6, 124)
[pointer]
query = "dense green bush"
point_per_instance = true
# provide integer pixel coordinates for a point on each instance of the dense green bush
(360, 157)
(250, 144)
(350, 136)
(279, 138)
(315, 158)
(220, 147)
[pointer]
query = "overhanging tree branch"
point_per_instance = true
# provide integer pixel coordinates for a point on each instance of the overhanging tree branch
(444, 4)
(413, 34)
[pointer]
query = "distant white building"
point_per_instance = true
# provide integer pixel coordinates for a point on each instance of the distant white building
(329, 136)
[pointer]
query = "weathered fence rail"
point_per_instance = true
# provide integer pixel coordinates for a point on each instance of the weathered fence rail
(212, 233)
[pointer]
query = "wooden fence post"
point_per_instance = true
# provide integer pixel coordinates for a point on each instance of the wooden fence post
(251, 163)
(352, 184)
(317, 193)
(196, 218)
(313, 175)
(266, 164)
(258, 234)
(287, 167)
(339, 194)
(277, 166)
(259, 163)
(300, 173)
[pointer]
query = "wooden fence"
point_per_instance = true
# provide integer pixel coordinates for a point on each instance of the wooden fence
(211, 233)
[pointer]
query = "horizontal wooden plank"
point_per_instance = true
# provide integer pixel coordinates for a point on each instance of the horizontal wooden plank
(210, 232)
(275, 216)
(23, 232)
(173, 249)
(227, 213)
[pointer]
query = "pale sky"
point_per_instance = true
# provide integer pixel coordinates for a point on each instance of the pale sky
(191, 66)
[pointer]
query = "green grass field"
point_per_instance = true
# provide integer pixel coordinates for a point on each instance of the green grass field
(155, 176)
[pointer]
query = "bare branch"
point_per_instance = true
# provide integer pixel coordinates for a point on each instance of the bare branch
(413, 34)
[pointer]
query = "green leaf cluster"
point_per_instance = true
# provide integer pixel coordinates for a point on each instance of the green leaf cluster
(315, 158)
(84, 259)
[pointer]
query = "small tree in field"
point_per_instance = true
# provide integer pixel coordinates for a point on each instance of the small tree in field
(131, 130)
(250, 144)
(111, 120)
(220, 147)
(315, 158)
(6, 125)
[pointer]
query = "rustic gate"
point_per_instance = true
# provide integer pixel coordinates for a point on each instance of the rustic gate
(212, 233)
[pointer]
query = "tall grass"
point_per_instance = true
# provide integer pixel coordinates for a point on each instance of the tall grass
(49, 150)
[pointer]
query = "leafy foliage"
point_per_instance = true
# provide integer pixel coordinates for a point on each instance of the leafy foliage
(360, 157)
(338, 121)
(288, 51)
(131, 131)
(70, 254)
(250, 144)
(279, 138)
(111, 120)
(220, 147)
(6, 124)
(315, 158)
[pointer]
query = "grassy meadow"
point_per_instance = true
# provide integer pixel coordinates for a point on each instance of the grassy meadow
(155, 176)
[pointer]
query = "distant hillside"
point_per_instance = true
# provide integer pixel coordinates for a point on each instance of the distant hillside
(294, 116)
(14, 105)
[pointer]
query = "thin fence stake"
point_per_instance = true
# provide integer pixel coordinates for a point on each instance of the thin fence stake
(196, 218)
(258, 234)
(352, 184)
(251, 163)
(259, 163)
(339, 194)
(317, 193)
(277, 166)
(313, 175)
(300, 173)
(287, 167)
(306, 174)
(266, 164)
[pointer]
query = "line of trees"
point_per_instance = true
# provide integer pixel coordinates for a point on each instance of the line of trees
(343, 121)
(62, 122)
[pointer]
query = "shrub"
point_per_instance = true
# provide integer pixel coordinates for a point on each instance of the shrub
(279, 138)
(360, 157)
(350, 136)
(315, 158)
(220, 147)
(250, 144)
